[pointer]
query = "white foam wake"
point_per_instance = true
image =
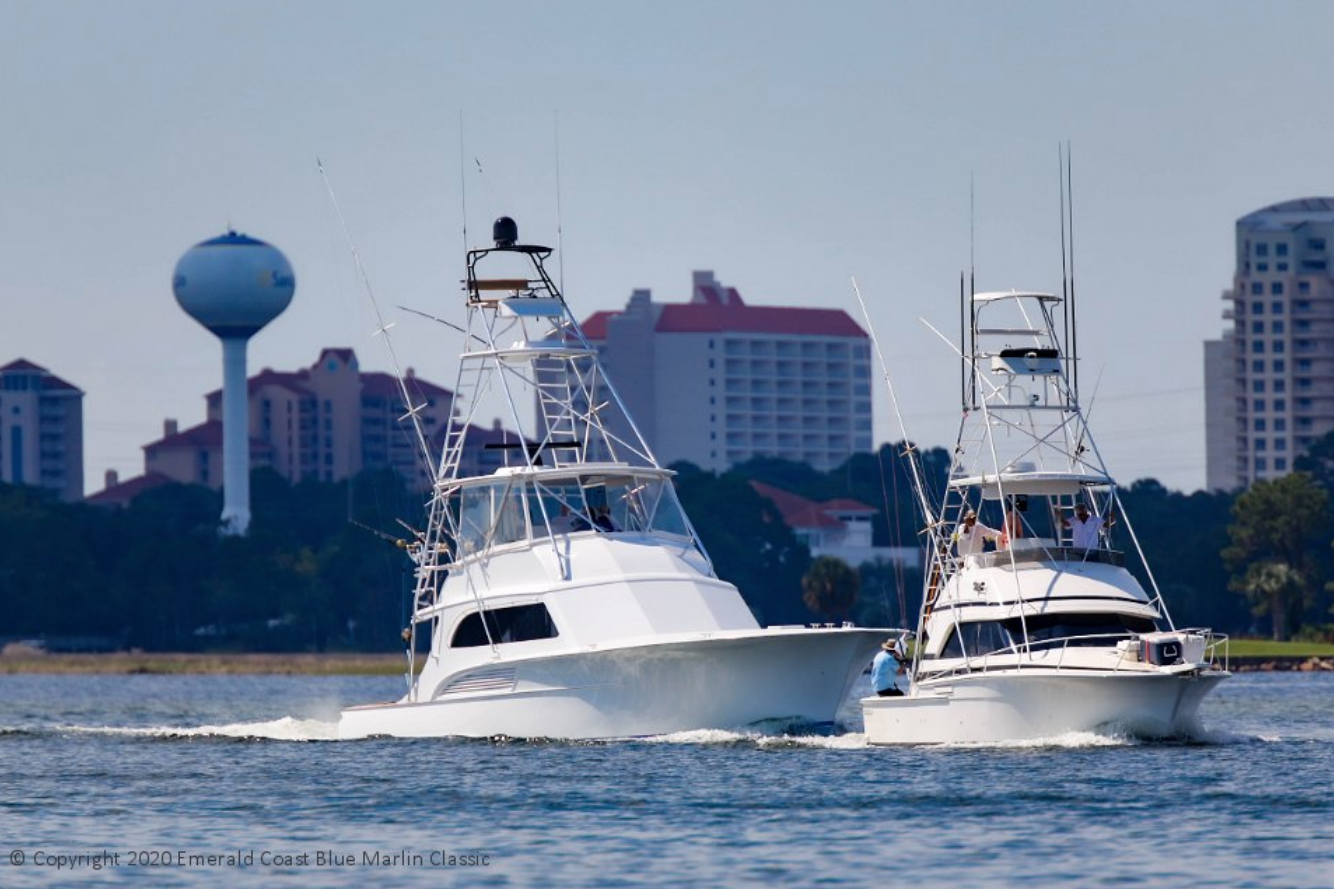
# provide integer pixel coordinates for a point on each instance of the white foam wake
(284, 729)
(849, 741)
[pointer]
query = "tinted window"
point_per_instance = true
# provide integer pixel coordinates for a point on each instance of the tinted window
(1046, 627)
(523, 623)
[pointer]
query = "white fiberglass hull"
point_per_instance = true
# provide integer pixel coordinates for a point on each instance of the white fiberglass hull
(728, 680)
(1032, 704)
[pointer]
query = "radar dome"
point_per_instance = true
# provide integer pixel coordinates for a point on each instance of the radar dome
(233, 284)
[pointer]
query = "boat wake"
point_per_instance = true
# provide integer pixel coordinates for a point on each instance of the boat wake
(285, 729)
(721, 737)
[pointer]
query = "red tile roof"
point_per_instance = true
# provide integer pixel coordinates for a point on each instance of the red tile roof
(49, 380)
(206, 435)
(797, 511)
(706, 318)
(738, 318)
(121, 494)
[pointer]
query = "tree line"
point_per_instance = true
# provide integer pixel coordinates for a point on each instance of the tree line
(319, 571)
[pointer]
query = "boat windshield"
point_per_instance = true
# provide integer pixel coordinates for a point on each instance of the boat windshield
(512, 510)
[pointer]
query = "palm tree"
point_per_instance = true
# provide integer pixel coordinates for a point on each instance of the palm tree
(830, 587)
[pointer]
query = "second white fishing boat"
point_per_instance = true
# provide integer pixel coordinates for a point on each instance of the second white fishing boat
(1046, 633)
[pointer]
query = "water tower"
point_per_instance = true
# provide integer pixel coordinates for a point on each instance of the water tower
(234, 285)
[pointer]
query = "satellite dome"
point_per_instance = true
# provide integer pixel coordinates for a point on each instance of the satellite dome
(233, 284)
(505, 231)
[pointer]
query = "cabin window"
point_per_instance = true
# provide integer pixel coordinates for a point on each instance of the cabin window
(953, 647)
(522, 623)
(1077, 629)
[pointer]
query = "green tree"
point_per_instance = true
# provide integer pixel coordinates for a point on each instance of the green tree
(1278, 526)
(748, 542)
(830, 587)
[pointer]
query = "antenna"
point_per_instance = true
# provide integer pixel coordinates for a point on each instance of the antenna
(560, 242)
(1074, 328)
(910, 450)
(1065, 275)
(463, 184)
(413, 412)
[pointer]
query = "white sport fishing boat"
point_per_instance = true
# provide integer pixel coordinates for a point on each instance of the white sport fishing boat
(566, 595)
(1047, 633)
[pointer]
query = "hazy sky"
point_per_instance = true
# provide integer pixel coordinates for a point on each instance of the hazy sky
(786, 146)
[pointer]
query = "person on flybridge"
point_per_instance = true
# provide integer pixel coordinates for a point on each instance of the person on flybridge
(1086, 530)
(971, 536)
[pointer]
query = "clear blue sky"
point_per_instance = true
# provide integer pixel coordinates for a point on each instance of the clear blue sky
(786, 146)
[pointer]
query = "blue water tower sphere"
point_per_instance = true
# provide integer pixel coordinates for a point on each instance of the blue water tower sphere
(233, 284)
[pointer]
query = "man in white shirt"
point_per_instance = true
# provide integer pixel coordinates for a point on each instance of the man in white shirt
(971, 535)
(1085, 528)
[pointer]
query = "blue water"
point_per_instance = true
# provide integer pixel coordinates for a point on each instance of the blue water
(199, 765)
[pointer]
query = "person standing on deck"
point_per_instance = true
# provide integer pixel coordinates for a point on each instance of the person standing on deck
(889, 663)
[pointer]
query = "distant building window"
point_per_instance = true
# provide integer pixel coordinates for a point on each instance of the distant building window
(1281, 249)
(1259, 424)
(1280, 266)
(1257, 308)
(1260, 444)
(1280, 404)
(1262, 266)
(1261, 464)
(1261, 249)
(1276, 327)
(1258, 366)
(1279, 347)
(1276, 307)
(1280, 386)
(1303, 286)
(1279, 366)
(1315, 243)
(1280, 424)
(1257, 386)
(1258, 405)
(1280, 444)
(1257, 327)
(1258, 347)
(1276, 287)
(1280, 464)
(1257, 288)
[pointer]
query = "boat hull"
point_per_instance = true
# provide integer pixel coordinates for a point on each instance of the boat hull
(723, 681)
(1035, 704)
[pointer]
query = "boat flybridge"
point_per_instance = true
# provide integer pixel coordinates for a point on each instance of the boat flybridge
(1031, 625)
(565, 594)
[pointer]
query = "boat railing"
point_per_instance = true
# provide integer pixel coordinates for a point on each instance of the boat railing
(1048, 554)
(1215, 652)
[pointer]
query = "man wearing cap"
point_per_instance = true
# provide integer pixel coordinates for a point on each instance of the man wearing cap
(1086, 529)
(971, 534)
(889, 662)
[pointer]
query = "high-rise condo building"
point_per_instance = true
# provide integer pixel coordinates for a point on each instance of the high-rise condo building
(1269, 381)
(716, 381)
(41, 430)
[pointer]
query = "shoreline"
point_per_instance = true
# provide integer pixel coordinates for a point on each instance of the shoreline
(123, 663)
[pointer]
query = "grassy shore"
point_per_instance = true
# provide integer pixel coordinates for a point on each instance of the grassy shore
(124, 663)
(1263, 648)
